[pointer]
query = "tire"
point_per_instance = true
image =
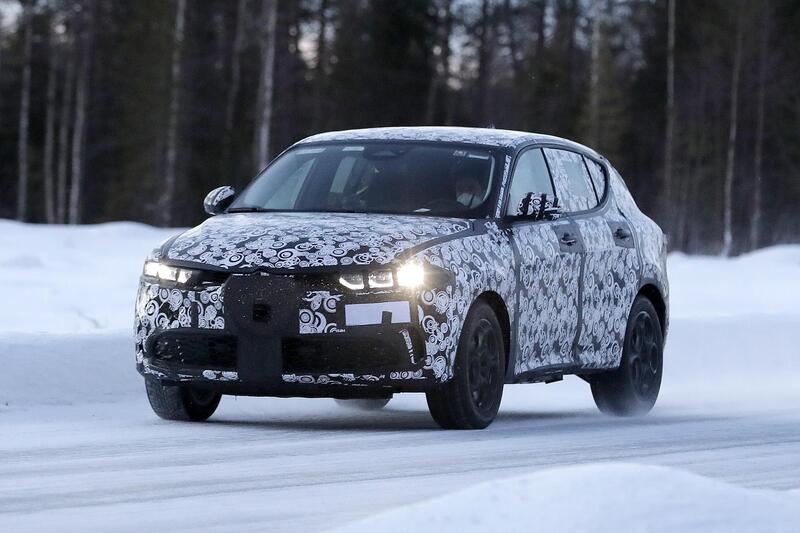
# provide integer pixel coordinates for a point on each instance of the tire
(181, 402)
(470, 400)
(632, 389)
(364, 404)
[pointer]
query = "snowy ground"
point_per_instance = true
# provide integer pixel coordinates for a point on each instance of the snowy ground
(81, 451)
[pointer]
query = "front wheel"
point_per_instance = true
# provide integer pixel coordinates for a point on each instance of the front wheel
(632, 389)
(470, 400)
(181, 402)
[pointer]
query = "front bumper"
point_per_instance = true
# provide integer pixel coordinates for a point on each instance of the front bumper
(290, 335)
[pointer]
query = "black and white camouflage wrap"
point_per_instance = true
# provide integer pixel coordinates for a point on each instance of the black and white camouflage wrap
(479, 264)
(288, 241)
(566, 307)
(548, 298)
(162, 308)
(318, 313)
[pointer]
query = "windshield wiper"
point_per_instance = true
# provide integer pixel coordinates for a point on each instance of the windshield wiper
(249, 209)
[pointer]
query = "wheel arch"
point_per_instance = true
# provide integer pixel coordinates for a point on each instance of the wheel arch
(653, 293)
(500, 309)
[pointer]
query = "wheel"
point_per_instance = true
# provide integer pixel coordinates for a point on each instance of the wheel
(181, 402)
(470, 400)
(364, 404)
(632, 389)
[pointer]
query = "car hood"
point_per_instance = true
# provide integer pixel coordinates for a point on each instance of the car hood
(245, 241)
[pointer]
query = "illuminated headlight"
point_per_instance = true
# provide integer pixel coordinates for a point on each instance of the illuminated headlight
(161, 272)
(151, 269)
(411, 275)
(353, 281)
(380, 279)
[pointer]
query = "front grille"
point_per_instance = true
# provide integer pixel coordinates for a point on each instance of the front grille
(261, 312)
(217, 351)
(340, 356)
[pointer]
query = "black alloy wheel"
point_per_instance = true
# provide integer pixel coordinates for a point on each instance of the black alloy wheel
(632, 389)
(471, 398)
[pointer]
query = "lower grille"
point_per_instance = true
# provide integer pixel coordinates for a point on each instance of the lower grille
(200, 350)
(340, 356)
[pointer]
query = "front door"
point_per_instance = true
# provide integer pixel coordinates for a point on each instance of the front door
(549, 265)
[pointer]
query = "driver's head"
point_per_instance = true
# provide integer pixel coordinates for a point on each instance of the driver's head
(468, 191)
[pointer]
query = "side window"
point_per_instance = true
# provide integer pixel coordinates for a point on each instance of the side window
(530, 175)
(573, 185)
(621, 193)
(598, 176)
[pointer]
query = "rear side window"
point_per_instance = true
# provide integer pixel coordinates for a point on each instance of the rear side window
(573, 184)
(622, 195)
(598, 176)
(530, 175)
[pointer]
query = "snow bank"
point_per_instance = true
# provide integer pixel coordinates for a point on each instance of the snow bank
(764, 282)
(72, 279)
(596, 498)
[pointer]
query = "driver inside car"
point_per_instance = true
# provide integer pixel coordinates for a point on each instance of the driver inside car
(468, 192)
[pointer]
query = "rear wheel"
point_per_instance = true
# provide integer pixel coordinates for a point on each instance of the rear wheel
(632, 389)
(181, 402)
(471, 399)
(364, 404)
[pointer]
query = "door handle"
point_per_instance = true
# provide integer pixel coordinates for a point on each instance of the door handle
(622, 234)
(568, 239)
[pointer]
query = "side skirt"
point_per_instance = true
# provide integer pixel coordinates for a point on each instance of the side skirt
(553, 373)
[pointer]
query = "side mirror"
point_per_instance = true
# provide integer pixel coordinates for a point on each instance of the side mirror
(553, 211)
(539, 207)
(218, 200)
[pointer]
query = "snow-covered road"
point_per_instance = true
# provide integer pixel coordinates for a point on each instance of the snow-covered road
(80, 449)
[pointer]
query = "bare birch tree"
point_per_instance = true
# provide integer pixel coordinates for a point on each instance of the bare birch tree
(79, 121)
(755, 223)
(236, 74)
(170, 174)
(50, 126)
(67, 96)
(669, 134)
(265, 84)
(26, 19)
(727, 235)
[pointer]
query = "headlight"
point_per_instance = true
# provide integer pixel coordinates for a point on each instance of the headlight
(162, 272)
(151, 269)
(410, 275)
(380, 279)
(353, 281)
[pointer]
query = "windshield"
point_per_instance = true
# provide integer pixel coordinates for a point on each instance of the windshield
(407, 178)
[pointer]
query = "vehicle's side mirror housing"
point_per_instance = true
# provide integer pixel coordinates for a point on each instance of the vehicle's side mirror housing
(218, 200)
(553, 211)
(537, 206)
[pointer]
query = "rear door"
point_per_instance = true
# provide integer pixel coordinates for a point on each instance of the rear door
(609, 280)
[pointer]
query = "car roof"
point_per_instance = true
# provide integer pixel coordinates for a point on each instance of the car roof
(478, 136)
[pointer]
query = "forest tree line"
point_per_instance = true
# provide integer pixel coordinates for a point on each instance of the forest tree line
(113, 110)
